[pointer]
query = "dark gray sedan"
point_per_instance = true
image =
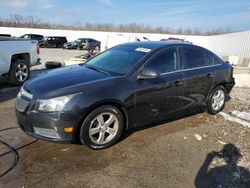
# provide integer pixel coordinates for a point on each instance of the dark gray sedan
(125, 87)
(83, 44)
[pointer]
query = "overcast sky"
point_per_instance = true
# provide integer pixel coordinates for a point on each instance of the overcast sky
(200, 14)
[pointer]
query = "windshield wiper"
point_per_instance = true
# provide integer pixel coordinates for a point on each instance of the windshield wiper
(98, 70)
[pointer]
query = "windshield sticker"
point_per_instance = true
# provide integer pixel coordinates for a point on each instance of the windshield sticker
(146, 50)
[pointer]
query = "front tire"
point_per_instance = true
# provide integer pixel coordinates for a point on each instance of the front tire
(102, 128)
(217, 100)
(19, 72)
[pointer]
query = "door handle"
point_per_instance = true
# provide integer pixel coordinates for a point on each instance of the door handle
(209, 75)
(178, 83)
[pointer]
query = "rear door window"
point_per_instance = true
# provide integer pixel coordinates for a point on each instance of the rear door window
(164, 62)
(194, 57)
(216, 60)
(211, 59)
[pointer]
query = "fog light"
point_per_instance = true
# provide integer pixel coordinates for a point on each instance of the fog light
(49, 133)
(68, 129)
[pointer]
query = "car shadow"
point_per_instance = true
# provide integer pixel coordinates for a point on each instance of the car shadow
(228, 175)
(8, 92)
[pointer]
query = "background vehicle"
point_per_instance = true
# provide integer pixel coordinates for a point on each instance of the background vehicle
(16, 57)
(32, 37)
(52, 42)
(84, 44)
(127, 86)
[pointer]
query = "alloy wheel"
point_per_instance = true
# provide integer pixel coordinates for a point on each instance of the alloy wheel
(218, 100)
(103, 128)
(21, 72)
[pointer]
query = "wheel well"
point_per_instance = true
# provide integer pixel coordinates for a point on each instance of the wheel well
(23, 56)
(117, 105)
(15, 57)
(222, 84)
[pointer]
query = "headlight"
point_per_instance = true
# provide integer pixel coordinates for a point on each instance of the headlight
(52, 105)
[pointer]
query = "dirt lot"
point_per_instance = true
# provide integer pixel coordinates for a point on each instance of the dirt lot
(179, 153)
(54, 54)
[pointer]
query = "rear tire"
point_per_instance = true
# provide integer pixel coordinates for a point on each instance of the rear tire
(19, 72)
(102, 128)
(217, 100)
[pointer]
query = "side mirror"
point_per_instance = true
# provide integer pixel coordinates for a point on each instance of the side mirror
(147, 74)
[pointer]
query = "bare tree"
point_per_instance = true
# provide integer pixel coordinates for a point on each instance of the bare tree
(35, 22)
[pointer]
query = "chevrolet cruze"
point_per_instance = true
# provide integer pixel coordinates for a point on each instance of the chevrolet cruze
(125, 87)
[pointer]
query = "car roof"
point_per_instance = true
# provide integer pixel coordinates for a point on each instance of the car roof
(154, 44)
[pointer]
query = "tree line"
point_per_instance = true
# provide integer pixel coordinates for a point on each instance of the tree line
(35, 22)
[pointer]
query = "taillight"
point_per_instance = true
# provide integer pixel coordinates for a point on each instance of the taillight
(37, 49)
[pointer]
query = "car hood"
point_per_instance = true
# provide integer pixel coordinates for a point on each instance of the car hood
(63, 81)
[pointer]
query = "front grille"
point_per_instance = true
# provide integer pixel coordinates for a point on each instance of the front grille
(21, 104)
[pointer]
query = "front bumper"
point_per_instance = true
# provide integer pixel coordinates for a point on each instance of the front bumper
(53, 127)
(33, 134)
(46, 126)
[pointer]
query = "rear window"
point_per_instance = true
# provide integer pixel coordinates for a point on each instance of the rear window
(194, 57)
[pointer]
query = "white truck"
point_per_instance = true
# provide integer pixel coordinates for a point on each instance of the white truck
(16, 58)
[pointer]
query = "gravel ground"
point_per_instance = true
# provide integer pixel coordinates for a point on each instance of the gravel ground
(195, 150)
(54, 54)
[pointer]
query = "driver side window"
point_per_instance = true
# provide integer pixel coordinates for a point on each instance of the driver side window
(164, 62)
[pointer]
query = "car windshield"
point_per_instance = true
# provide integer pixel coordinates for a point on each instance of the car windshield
(116, 61)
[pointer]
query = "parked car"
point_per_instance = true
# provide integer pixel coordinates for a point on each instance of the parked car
(16, 57)
(32, 37)
(83, 44)
(52, 42)
(127, 86)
